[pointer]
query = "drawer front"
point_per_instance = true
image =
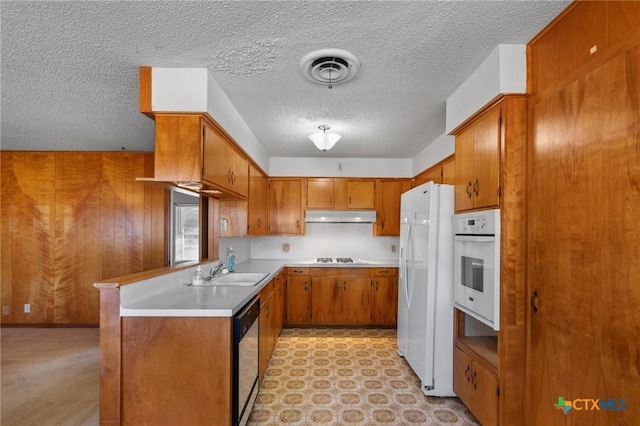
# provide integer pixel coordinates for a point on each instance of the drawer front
(297, 271)
(384, 272)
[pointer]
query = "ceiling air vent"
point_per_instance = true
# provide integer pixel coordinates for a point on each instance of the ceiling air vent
(329, 66)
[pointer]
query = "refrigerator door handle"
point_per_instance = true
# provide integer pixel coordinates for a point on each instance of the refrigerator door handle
(405, 266)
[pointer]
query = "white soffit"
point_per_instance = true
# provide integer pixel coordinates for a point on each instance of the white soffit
(504, 71)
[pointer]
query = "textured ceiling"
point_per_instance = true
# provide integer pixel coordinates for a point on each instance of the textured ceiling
(70, 69)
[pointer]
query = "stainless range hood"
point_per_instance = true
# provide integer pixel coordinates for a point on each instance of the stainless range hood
(340, 216)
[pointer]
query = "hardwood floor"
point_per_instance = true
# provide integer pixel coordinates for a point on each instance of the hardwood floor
(50, 376)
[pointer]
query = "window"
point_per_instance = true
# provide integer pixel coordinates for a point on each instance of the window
(185, 227)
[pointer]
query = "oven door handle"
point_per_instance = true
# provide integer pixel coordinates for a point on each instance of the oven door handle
(474, 239)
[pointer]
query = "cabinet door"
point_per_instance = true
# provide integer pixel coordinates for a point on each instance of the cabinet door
(224, 166)
(433, 174)
(257, 203)
(265, 334)
(325, 300)
(279, 307)
(360, 194)
(476, 387)
(355, 300)
(320, 193)
(385, 300)
(486, 160)
(285, 206)
(483, 395)
(298, 301)
(461, 375)
(449, 172)
(388, 206)
(464, 170)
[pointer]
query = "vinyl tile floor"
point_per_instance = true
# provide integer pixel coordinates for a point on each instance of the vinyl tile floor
(347, 377)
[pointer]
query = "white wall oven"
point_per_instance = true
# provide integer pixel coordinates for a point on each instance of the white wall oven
(476, 275)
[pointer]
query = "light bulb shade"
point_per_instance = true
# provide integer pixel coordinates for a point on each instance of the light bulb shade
(324, 141)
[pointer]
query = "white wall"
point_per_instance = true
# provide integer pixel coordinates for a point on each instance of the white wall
(340, 167)
(241, 248)
(504, 71)
(321, 240)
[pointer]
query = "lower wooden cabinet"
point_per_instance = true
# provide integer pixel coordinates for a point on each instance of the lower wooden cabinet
(279, 294)
(384, 292)
(366, 296)
(272, 309)
(298, 300)
(341, 299)
(266, 340)
(476, 386)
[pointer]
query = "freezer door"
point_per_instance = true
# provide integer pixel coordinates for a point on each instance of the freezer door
(403, 296)
(421, 312)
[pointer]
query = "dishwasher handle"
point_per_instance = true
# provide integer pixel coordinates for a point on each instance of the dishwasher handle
(246, 317)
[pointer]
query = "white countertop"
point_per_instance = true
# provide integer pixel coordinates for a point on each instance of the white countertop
(168, 295)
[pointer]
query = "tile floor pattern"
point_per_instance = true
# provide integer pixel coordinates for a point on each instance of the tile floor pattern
(347, 377)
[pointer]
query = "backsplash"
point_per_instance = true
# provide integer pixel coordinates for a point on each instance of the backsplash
(320, 240)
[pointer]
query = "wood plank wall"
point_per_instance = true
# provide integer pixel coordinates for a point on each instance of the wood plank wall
(583, 205)
(70, 219)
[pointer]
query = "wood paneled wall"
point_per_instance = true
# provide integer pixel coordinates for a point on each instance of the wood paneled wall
(70, 219)
(583, 205)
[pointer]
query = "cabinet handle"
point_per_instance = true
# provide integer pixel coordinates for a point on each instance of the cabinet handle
(305, 286)
(330, 200)
(469, 189)
(344, 286)
(382, 225)
(349, 200)
(338, 284)
(377, 288)
(298, 223)
(473, 380)
(466, 373)
(476, 187)
(534, 301)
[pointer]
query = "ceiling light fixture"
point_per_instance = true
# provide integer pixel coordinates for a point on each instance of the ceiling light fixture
(322, 140)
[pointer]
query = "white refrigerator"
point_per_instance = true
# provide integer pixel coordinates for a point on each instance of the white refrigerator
(425, 290)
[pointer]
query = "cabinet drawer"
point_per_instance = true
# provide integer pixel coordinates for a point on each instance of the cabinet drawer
(298, 271)
(384, 272)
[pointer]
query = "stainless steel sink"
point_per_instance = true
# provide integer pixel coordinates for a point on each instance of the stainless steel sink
(238, 279)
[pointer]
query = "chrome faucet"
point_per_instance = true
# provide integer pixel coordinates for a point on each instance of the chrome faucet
(216, 270)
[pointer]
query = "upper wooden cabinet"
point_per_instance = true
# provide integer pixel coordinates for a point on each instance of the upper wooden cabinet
(340, 194)
(193, 153)
(285, 206)
(320, 193)
(587, 32)
(257, 203)
(224, 166)
(432, 174)
(442, 172)
(361, 194)
(449, 171)
(388, 206)
(478, 162)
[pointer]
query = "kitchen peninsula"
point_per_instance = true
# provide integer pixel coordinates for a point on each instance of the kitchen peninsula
(166, 347)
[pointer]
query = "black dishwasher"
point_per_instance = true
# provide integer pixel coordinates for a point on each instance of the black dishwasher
(245, 360)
